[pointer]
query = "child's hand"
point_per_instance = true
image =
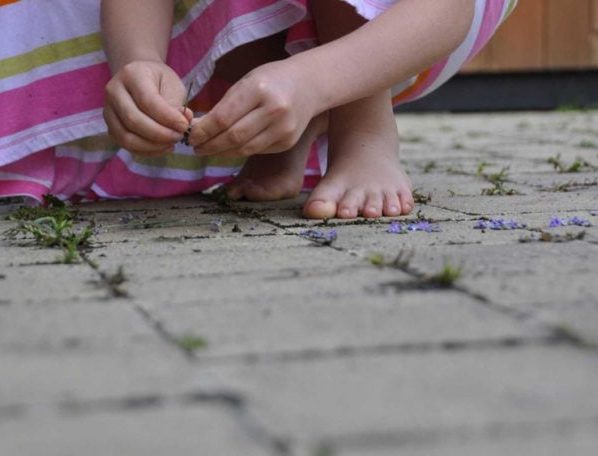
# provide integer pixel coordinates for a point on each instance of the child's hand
(143, 108)
(266, 112)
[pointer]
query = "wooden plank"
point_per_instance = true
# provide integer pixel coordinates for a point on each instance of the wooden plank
(517, 45)
(594, 35)
(567, 34)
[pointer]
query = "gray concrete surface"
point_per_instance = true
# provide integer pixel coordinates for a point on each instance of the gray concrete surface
(256, 341)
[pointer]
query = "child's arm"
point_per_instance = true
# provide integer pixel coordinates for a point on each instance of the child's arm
(404, 40)
(144, 98)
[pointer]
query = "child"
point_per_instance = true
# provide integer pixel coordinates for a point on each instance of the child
(261, 103)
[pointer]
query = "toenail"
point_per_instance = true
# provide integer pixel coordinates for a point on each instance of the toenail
(394, 209)
(345, 212)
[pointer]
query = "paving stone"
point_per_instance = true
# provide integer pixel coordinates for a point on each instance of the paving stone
(530, 278)
(84, 327)
(580, 439)
(51, 377)
(379, 240)
(331, 399)
(36, 283)
(196, 429)
(311, 321)
(145, 262)
(139, 205)
(518, 204)
(277, 284)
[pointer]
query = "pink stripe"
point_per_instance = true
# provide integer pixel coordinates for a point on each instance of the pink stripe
(187, 49)
(37, 166)
(22, 188)
(118, 180)
(53, 98)
(71, 175)
(492, 17)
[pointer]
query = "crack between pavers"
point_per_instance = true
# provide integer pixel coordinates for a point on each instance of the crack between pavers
(230, 400)
(558, 331)
(403, 438)
(318, 354)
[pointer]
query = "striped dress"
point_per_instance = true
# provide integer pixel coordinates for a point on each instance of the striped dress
(53, 71)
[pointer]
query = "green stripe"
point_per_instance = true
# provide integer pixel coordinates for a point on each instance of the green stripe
(511, 7)
(75, 47)
(99, 143)
(51, 53)
(181, 9)
(187, 162)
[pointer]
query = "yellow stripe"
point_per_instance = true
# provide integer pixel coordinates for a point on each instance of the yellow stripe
(94, 144)
(188, 162)
(51, 53)
(62, 50)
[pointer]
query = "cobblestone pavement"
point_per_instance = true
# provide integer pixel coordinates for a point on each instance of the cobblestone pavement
(196, 327)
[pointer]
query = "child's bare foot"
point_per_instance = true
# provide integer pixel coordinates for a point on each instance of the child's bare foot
(277, 176)
(364, 174)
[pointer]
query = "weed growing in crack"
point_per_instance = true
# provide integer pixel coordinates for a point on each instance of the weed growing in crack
(572, 186)
(52, 207)
(577, 166)
(446, 278)
(400, 262)
(53, 229)
(428, 167)
(190, 342)
(420, 198)
(481, 167)
(498, 181)
(587, 144)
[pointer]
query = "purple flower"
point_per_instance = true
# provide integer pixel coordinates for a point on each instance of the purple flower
(578, 221)
(320, 236)
(556, 222)
(403, 227)
(498, 224)
(396, 228)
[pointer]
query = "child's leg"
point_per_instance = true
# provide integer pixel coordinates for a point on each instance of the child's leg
(364, 175)
(276, 176)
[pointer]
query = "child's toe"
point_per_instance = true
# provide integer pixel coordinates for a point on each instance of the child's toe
(392, 204)
(407, 203)
(351, 204)
(373, 205)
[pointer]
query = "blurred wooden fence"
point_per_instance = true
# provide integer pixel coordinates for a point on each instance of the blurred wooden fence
(544, 35)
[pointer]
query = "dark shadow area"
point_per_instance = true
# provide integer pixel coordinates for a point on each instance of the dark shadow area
(567, 90)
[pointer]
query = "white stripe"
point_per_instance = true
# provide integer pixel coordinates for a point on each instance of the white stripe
(49, 134)
(21, 177)
(460, 55)
(85, 156)
(37, 23)
(235, 34)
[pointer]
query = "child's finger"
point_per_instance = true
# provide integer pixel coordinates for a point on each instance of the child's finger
(139, 122)
(129, 140)
(258, 145)
(238, 135)
(151, 102)
(236, 104)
